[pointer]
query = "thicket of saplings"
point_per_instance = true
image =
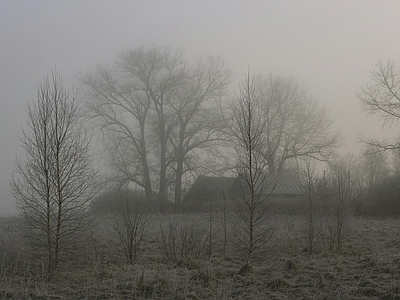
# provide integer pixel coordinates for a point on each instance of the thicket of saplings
(128, 230)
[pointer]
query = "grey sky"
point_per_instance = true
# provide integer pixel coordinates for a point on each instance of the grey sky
(330, 47)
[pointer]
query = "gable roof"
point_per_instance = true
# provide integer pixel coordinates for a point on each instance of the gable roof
(288, 184)
(207, 188)
(285, 184)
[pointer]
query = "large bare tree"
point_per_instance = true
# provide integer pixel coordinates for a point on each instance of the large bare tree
(199, 125)
(121, 104)
(54, 184)
(382, 98)
(157, 109)
(131, 101)
(295, 126)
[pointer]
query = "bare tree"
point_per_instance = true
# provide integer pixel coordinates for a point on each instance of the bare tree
(341, 205)
(382, 98)
(254, 181)
(159, 116)
(314, 186)
(166, 75)
(56, 182)
(295, 126)
(120, 99)
(199, 124)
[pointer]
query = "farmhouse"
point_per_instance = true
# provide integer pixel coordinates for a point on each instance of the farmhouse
(211, 189)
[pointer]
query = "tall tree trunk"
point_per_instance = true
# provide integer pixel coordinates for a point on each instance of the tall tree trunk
(148, 191)
(178, 178)
(180, 159)
(163, 160)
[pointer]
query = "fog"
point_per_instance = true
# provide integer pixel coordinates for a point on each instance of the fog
(330, 47)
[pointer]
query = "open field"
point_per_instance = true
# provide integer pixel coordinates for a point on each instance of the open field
(368, 266)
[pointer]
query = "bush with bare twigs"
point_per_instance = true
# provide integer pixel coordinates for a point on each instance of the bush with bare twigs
(181, 240)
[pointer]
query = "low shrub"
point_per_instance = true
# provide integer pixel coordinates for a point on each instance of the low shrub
(181, 240)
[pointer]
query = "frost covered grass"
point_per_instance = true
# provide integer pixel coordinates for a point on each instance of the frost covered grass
(368, 266)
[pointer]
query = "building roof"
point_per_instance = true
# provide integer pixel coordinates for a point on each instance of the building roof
(207, 188)
(288, 184)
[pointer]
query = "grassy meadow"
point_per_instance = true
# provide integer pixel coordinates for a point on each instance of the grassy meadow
(194, 256)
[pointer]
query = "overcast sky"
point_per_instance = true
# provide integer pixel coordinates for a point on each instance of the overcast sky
(330, 47)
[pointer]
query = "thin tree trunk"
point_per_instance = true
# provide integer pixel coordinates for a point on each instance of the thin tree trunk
(178, 178)
(148, 191)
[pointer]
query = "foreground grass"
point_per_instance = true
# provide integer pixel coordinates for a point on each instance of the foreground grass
(367, 268)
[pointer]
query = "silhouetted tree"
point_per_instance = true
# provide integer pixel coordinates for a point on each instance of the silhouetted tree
(253, 183)
(295, 126)
(158, 112)
(199, 125)
(341, 202)
(122, 99)
(55, 183)
(314, 186)
(382, 98)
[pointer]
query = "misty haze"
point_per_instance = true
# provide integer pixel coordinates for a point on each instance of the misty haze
(210, 150)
